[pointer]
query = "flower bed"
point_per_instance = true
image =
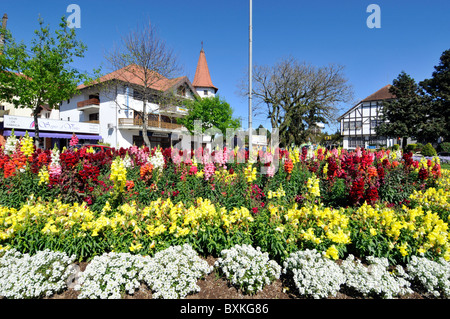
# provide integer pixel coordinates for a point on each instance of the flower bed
(142, 201)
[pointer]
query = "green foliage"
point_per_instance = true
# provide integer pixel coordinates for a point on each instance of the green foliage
(397, 186)
(334, 194)
(213, 112)
(444, 147)
(402, 115)
(43, 76)
(428, 150)
(438, 92)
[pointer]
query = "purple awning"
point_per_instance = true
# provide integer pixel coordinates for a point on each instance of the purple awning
(54, 135)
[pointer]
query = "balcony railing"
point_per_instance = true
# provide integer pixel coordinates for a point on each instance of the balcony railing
(84, 103)
(150, 123)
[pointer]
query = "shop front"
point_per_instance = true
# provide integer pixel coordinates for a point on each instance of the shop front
(52, 132)
(162, 140)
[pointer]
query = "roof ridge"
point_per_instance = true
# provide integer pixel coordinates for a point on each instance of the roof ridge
(126, 74)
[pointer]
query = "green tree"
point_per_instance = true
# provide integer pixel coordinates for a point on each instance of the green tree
(437, 90)
(213, 112)
(402, 116)
(40, 75)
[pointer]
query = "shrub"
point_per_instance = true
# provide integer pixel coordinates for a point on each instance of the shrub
(314, 275)
(33, 276)
(428, 150)
(173, 272)
(248, 268)
(411, 147)
(444, 147)
(375, 279)
(110, 275)
(433, 276)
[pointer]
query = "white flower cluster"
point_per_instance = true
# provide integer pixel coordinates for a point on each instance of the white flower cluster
(10, 144)
(127, 161)
(157, 160)
(248, 268)
(33, 276)
(170, 274)
(110, 275)
(375, 279)
(173, 272)
(314, 275)
(434, 276)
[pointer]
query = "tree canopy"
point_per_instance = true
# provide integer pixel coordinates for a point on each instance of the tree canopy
(437, 91)
(420, 111)
(402, 116)
(213, 112)
(41, 74)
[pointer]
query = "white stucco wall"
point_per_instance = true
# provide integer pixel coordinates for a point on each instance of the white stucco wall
(200, 91)
(115, 104)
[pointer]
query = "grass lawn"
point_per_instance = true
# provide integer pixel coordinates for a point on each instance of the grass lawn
(445, 166)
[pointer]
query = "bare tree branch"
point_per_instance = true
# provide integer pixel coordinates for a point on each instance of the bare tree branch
(295, 96)
(143, 60)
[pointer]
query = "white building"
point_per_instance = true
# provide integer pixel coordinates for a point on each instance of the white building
(108, 111)
(115, 103)
(359, 122)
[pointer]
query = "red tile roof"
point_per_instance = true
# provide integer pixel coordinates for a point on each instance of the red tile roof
(134, 74)
(381, 94)
(202, 77)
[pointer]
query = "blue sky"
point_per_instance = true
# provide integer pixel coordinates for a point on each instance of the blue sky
(412, 36)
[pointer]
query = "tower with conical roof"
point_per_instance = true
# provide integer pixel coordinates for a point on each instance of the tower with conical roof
(202, 79)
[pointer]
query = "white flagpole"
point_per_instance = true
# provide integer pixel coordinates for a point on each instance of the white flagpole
(250, 133)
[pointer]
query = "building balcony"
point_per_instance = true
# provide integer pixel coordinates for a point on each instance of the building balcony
(174, 111)
(133, 124)
(90, 104)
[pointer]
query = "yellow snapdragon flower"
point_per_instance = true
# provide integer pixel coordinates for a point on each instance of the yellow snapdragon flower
(118, 174)
(332, 252)
(26, 145)
(44, 176)
(313, 187)
(250, 173)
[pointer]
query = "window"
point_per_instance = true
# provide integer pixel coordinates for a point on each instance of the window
(205, 92)
(68, 101)
(2, 107)
(377, 141)
(93, 117)
(355, 125)
(346, 125)
(355, 142)
(138, 95)
(375, 123)
(182, 91)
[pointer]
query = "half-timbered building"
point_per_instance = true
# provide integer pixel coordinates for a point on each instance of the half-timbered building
(357, 125)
